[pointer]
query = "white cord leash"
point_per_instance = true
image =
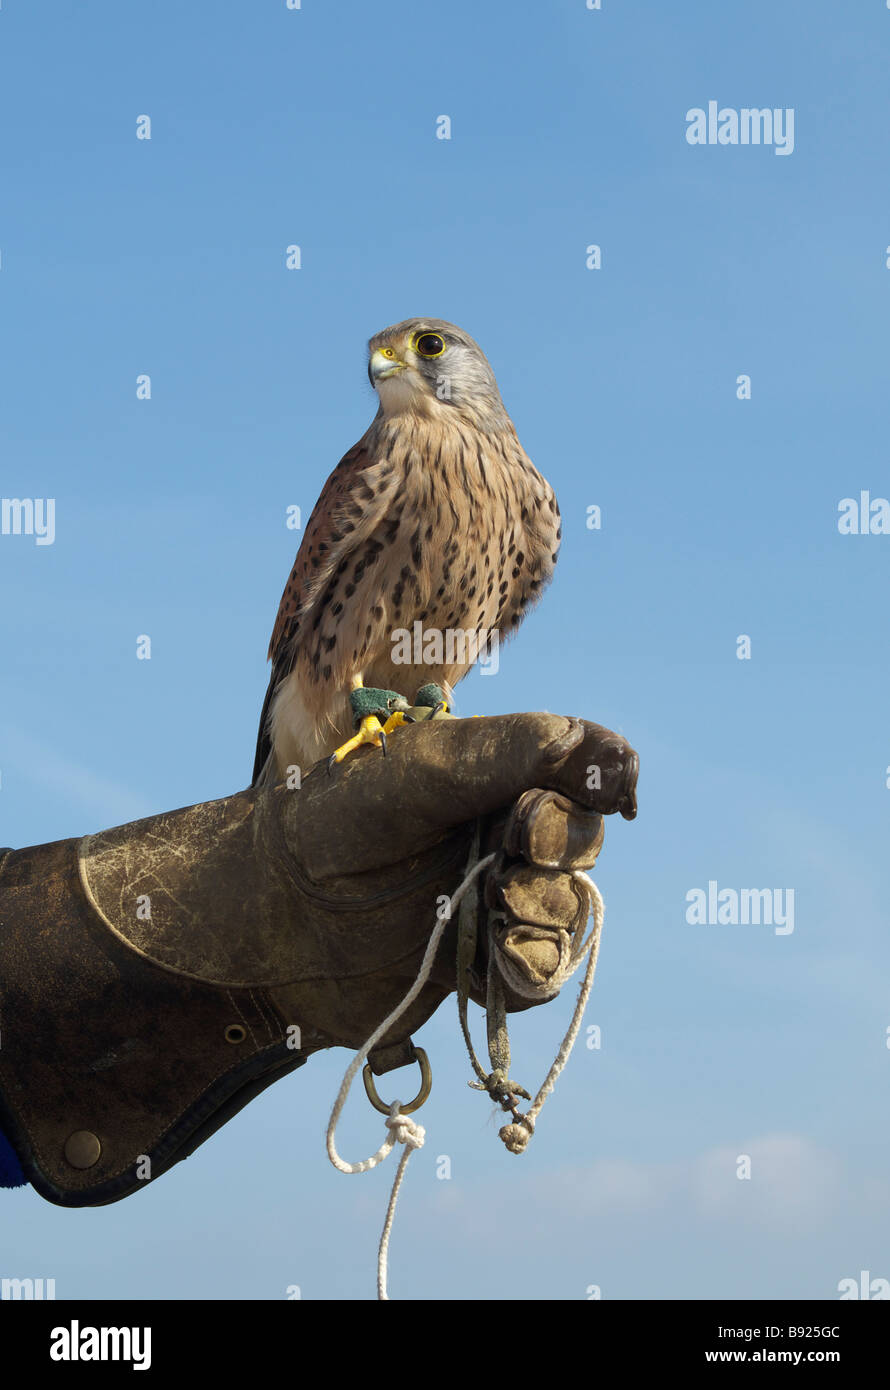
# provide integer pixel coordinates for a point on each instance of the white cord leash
(401, 1128)
(412, 1136)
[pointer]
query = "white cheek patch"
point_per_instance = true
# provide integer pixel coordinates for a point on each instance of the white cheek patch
(406, 391)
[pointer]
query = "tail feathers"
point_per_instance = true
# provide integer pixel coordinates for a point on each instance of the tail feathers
(264, 757)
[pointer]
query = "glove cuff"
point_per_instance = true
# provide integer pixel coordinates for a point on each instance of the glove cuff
(112, 1068)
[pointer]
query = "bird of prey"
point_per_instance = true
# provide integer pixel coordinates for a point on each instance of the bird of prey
(436, 516)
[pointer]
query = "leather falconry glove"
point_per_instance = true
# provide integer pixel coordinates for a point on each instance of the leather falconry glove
(155, 977)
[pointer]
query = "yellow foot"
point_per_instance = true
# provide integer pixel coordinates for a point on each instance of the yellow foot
(370, 731)
(395, 721)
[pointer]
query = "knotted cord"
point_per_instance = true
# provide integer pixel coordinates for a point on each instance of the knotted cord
(501, 970)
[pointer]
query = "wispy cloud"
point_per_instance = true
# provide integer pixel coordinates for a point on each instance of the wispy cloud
(46, 767)
(793, 1183)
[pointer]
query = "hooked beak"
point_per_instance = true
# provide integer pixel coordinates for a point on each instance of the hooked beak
(382, 366)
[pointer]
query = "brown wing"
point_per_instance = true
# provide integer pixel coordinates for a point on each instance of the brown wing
(353, 501)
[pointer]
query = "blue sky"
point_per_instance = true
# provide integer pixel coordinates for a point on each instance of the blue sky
(317, 127)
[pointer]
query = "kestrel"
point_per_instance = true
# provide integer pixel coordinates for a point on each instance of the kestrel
(436, 517)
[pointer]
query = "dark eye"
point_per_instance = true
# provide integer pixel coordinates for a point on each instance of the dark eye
(430, 345)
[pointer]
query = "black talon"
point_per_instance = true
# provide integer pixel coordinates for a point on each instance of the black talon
(440, 705)
(383, 742)
(332, 762)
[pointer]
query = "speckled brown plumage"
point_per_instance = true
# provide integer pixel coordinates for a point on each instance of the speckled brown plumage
(436, 515)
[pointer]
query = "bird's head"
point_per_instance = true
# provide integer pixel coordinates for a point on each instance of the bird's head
(428, 366)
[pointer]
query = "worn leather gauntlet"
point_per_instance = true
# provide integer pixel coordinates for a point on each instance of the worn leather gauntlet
(155, 977)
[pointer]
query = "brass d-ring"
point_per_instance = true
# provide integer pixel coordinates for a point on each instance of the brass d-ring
(426, 1085)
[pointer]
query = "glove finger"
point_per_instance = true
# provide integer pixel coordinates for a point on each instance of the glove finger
(438, 775)
(542, 906)
(549, 829)
(536, 897)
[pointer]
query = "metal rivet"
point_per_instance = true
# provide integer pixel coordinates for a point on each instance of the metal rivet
(235, 1033)
(82, 1149)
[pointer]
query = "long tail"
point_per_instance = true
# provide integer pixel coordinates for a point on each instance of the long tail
(264, 758)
